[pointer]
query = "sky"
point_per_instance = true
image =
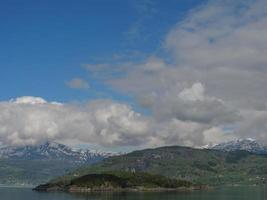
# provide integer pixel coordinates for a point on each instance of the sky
(131, 74)
(45, 43)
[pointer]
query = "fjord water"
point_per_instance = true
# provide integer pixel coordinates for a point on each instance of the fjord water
(229, 193)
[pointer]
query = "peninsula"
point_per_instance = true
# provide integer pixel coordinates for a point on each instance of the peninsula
(118, 181)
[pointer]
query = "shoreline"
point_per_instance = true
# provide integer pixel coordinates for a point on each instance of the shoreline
(76, 189)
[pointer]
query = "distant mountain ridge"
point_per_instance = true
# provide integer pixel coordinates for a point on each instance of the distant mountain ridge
(247, 144)
(220, 164)
(53, 150)
(32, 165)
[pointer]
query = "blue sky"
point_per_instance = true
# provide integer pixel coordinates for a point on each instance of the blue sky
(133, 74)
(44, 43)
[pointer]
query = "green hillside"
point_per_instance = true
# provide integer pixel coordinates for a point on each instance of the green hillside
(197, 165)
(116, 181)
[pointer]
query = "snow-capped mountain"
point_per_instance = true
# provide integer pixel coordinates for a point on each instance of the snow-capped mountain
(248, 144)
(53, 150)
(32, 165)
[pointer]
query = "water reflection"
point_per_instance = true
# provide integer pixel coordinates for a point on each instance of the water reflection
(230, 193)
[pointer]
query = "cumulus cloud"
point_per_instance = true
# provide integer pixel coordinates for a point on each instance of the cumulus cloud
(192, 104)
(28, 100)
(187, 133)
(215, 135)
(177, 132)
(78, 83)
(215, 75)
(32, 120)
(254, 125)
(195, 93)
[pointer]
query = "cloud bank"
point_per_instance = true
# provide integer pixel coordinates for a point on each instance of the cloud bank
(32, 120)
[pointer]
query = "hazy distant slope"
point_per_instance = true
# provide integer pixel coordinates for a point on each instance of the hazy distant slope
(32, 165)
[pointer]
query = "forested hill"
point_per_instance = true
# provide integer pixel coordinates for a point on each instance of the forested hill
(118, 181)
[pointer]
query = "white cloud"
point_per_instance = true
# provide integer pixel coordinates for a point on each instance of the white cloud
(31, 120)
(195, 93)
(78, 83)
(228, 35)
(177, 132)
(254, 125)
(193, 104)
(28, 100)
(216, 135)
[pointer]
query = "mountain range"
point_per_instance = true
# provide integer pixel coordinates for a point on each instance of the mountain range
(35, 164)
(53, 150)
(239, 161)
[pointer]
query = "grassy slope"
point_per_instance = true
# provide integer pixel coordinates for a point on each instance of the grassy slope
(199, 166)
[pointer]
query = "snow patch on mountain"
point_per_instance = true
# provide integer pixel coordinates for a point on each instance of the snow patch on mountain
(247, 144)
(53, 150)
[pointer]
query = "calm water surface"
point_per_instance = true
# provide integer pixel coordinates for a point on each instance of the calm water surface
(234, 193)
